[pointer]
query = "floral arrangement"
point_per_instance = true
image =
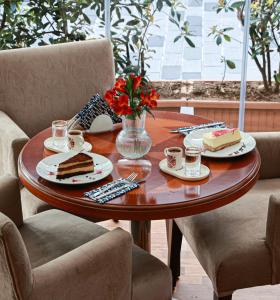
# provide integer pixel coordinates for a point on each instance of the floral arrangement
(131, 96)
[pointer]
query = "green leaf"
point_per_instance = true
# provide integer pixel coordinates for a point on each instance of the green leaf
(219, 40)
(189, 41)
(228, 29)
(168, 3)
(177, 38)
(159, 5)
(230, 64)
(135, 39)
(227, 37)
(238, 4)
(132, 22)
(87, 19)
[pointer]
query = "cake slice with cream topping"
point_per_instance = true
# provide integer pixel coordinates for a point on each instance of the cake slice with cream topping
(220, 139)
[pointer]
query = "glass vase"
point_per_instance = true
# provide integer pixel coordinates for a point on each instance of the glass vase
(133, 141)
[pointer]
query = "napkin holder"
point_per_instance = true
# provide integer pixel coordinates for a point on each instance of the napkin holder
(101, 123)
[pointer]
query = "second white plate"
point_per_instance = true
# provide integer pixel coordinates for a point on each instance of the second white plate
(246, 144)
(47, 168)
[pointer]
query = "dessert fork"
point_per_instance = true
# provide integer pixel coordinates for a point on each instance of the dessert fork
(129, 179)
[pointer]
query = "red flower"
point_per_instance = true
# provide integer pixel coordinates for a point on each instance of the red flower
(110, 96)
(126, 110)
(120, 85)
(136, 82)
(123, 100)
(154, 95)
(134, 86)
(145, 99)
(153, 104)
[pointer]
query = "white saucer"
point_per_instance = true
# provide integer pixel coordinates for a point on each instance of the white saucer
(204, 172)
(48, 144)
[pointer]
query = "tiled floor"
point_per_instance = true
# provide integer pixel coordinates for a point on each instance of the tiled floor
(194, 283)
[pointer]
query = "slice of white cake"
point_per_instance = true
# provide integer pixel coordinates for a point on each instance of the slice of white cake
(220, 139)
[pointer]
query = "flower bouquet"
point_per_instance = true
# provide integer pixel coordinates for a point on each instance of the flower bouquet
(131, 97)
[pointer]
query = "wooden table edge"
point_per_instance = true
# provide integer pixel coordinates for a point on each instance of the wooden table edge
(163, 211)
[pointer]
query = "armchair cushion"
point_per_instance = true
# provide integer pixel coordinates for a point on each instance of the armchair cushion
(230, 241)
(146, 268)
(31, 204)
(56, 233)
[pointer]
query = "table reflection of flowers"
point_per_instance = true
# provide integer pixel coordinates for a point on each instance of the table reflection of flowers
(131, 97)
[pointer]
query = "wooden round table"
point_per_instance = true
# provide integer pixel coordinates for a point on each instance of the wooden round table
(161, 196)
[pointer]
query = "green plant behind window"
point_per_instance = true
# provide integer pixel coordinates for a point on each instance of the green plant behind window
(41, 22)
(264, 33)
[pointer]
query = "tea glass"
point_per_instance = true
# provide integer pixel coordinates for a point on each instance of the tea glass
(59, 133)
(193, 161)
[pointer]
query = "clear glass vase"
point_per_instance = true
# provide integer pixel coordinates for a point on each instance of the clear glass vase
(133, 141)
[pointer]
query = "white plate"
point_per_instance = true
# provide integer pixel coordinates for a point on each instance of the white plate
(204, 172)
(48, 144)
(47, 168)
(246, 144)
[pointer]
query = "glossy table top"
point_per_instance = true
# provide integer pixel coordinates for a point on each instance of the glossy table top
(161, 196)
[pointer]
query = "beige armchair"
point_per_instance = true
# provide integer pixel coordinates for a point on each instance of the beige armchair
(238, 244)
(55, 255)
(39, 85)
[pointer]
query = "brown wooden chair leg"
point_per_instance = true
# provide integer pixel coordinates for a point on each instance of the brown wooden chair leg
(222, 298)
(174, 238)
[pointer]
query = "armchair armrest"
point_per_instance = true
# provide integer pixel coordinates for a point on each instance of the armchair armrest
(99, 269)
(12, 139)
(268, 144)
(10, 204)
(273, 235)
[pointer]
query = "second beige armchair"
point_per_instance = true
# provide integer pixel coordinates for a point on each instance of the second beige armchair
(57, 256)
(39, 85)
(238, 244)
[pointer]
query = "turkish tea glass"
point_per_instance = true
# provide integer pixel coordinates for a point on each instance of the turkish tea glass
(59, 133)
(193, 161)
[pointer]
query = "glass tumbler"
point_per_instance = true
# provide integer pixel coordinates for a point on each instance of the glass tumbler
(59, 133)
(193, 161)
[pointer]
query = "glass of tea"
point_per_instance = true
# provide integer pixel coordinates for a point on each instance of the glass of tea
(59, 133)
(193, 161)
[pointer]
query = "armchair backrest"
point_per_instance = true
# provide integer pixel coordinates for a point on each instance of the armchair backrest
(39, 85)
(268, 144)
(15, 268)
(10, 203)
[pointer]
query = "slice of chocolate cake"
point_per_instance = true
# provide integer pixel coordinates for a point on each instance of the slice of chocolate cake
(79, 164)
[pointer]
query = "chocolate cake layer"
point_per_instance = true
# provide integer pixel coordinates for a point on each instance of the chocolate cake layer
(71, 175)
(76, 165)
(80, 165)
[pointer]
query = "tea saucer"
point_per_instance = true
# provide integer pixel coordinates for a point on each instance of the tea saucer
(204, 172)
(48, 144)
